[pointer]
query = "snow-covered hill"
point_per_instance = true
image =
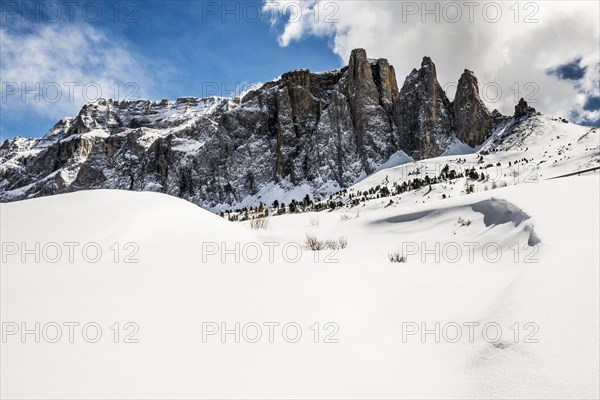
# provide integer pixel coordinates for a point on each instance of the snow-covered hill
(523, 152)
(532, 271)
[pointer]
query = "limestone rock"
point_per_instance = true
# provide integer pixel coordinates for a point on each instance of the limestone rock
(321, 129)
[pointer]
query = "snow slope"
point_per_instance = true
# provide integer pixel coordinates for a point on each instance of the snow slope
(179, 284)
(539, 148)
(523, 151)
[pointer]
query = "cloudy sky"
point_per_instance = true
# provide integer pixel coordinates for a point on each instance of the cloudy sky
(56, 55)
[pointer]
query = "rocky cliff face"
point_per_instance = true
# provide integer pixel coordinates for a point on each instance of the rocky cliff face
(472, 120)
(423, 114)
(321, 129)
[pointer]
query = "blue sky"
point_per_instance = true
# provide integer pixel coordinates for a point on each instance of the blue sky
(201, 42)
(160, 49)
(184, 48)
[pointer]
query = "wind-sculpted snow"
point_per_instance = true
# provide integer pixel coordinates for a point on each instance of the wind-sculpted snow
(498, 212)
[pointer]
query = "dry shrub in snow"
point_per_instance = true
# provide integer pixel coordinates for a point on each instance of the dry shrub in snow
(396, 257)
(313, 243)
(345, 217)
(259, 223)
(464, 222)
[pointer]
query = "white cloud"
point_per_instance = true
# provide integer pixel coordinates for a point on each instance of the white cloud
(63, 66)
(507, 53)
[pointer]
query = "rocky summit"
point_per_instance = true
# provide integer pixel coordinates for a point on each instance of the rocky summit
(322, 130)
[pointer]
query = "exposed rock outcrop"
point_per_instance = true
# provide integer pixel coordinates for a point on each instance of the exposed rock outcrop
(522, 109)
(472, 120)
(423, 113)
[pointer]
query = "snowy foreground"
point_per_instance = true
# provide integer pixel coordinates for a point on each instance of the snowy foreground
(541, 290)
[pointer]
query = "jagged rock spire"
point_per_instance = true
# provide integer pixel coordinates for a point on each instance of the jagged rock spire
(522, 109)
(472, 119)
(422, 113)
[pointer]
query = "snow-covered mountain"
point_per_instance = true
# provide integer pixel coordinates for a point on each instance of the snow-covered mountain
(528, 150)
(305, 133)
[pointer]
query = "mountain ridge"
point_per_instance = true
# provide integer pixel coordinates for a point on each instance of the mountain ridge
(323, 130)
